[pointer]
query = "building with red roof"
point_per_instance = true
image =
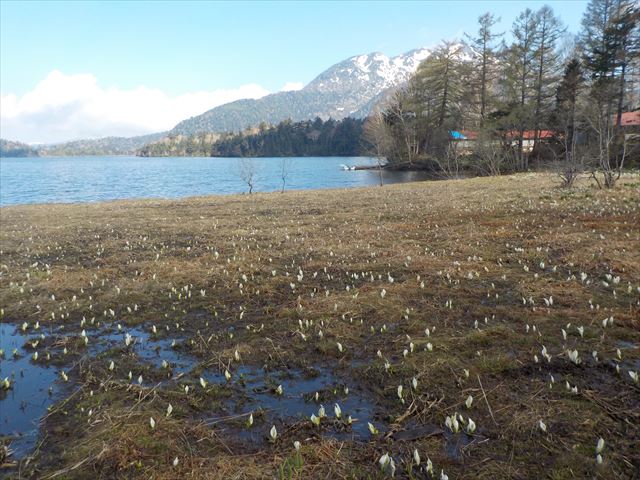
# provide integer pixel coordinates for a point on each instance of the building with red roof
(629, 119)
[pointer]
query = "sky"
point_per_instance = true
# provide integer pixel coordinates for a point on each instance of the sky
(75, 69)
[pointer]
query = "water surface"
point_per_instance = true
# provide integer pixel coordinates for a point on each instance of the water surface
(88, 179)
(33, 389)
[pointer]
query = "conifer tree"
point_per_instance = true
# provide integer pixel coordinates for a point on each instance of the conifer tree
(484, 49)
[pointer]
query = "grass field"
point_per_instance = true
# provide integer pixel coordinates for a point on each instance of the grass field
(195, 338)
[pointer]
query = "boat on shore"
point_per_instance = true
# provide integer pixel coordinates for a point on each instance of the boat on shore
(359, 167)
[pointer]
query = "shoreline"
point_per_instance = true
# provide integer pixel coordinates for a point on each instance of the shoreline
(242, 195)
(330, 190)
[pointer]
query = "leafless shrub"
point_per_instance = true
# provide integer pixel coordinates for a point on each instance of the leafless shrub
(449, 163)
(567, 158)
(603, 136)
(491, 156)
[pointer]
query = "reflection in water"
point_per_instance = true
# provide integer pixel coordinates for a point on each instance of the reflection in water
(297, 401)
(33, 389)
(82, 179)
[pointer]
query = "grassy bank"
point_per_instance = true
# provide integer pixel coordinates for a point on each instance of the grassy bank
(473, 295)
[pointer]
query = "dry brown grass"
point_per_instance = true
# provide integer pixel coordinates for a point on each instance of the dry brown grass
(460, 238)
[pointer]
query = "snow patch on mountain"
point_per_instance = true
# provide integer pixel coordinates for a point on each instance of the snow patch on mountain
(349, 88)
(373, 73)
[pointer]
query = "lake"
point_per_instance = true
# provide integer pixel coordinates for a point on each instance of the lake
(89, 179)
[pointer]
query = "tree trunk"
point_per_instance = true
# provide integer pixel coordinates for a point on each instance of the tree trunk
(523, 86)
(621, 96)
(536, 128)
(445, 93)
(483, 82)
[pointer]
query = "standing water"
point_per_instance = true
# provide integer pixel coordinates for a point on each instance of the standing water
(32, 391)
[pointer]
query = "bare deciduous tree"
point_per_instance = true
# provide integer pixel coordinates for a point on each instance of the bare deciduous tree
(247, 172)
(567, 165)
(403, 120)
(568, 155)
(285, 166)
(484, 60)
(449, 162)
(491, 156)
(378, 138)
(598, 119)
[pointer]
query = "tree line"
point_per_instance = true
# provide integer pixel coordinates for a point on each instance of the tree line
(286, 139)
(544, 97)
(10, 148)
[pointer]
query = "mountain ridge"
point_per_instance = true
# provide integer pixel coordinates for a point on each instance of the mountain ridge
(99, 146)
(347, 88)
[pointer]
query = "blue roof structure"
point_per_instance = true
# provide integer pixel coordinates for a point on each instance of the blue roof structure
(457, 135)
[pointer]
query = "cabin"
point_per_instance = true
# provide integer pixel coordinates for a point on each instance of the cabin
(630, 131)
(529, 138)
(465, 139)
(629, 120)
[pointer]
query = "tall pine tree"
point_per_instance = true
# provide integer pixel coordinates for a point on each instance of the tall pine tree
(549, 28)
(484, 50)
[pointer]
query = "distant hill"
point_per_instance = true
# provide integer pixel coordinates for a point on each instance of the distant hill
(100, 146)
(9, 148)
(348, 89)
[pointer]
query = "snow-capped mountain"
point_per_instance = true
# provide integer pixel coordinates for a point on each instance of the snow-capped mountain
(348, 88)
(372, 73)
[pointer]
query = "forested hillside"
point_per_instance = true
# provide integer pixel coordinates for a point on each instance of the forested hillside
(9, 148)
(180, 146)
(99, 146)
(287, 139)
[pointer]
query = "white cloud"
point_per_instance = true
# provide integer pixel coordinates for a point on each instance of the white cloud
(67, 107)
(292, 86)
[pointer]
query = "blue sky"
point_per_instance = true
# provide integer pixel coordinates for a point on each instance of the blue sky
(184, 48)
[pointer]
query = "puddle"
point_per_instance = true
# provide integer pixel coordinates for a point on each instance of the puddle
(33, 390)
(147, 348)
(455, 443)
(414, 431)
(36, 386)
(297, 401)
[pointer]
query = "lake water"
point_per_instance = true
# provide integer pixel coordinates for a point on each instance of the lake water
(88, 179)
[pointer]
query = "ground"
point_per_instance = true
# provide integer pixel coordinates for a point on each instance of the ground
(168, 325)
